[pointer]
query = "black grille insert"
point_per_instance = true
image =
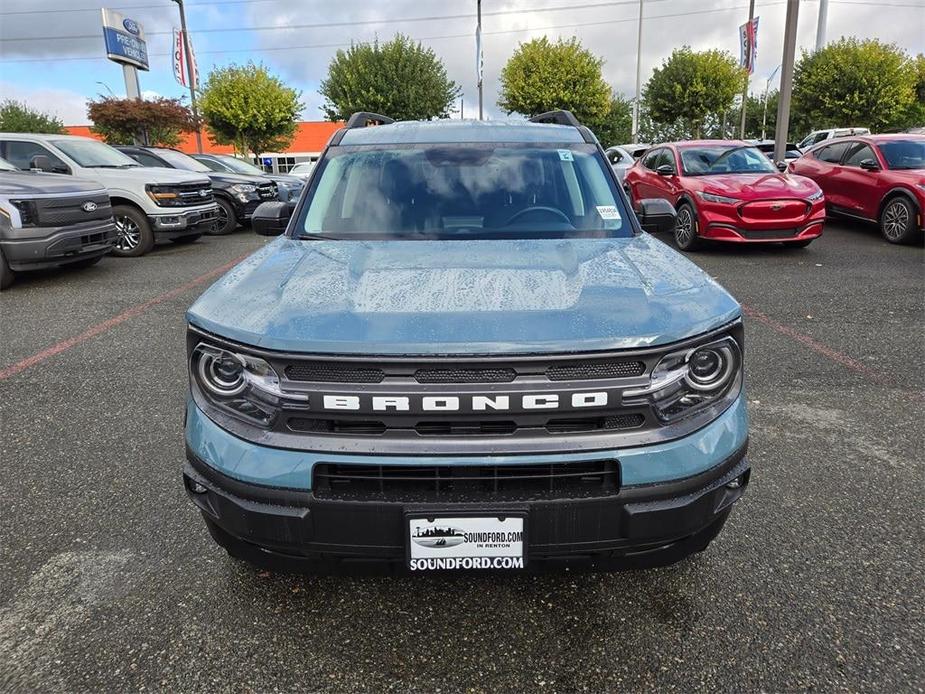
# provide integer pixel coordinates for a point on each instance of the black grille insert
(487, 428)
(465, 375)
(584, 479)
(324, 372)
(580, 424)
(595, 369)
(336, 426)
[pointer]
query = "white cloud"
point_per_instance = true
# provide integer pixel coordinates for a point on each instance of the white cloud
(70, 107)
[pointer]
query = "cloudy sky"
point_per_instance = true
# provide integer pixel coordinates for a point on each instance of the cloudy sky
(51, 51)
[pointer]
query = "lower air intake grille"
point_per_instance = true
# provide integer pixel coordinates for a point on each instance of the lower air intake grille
(595, 369)
(460, 483)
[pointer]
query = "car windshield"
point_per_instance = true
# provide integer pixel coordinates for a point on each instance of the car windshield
(903, 154)
(724, 159)
(464, 192)
(7, 166)
(301, 168)
(240, 166)
(95, 155)
(181, 161)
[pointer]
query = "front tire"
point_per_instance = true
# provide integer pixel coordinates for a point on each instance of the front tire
(685, 230)
(897, 221)
(134, 237)
(227, 219)
(6, 275)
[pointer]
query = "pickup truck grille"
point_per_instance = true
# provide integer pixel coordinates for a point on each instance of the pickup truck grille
(64, 211)
(267, 191)
(190, 194)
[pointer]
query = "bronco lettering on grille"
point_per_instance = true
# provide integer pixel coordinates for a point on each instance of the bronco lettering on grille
(455, 403)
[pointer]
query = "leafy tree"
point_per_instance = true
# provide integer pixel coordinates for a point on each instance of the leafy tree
(916, 114)
(401, 79)
(689, 86)
(17, 117)
(156, 122)
(247, 107)
(616, 127)
(543, 76)
(852, 82)
(754, 112)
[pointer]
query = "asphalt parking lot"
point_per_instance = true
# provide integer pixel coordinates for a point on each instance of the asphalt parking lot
(110, 581)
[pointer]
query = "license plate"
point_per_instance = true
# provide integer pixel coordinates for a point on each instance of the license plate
(466, 542)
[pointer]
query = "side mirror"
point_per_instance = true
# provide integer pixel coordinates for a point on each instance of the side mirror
(656, 215)
(869, 165)
(781, 166)
(665, 170)
(40, 162)
(271, 218)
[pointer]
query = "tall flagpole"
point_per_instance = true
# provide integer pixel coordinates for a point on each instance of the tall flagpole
(638, 76)
(478, 33)
(749, 38)
(189, 74)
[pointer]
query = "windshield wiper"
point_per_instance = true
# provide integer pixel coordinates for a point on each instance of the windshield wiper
(314, 237)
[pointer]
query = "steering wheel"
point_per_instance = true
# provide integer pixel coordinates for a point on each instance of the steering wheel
(538, 208)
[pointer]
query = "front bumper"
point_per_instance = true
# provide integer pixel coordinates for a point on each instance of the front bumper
(184, 222)
(35, 248)
(725, 223)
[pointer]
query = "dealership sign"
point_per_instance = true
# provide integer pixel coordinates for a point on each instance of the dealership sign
(125, 40)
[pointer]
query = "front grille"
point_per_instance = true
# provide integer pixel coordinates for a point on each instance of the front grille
(455, 483)
(267, 191)
(64, 211)
(595, 369)
(768, 233)
(323, 372)
(190, 194)
(585, 424)
(465, 375)
(351, 427)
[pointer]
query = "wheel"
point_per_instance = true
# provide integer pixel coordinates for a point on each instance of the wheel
(685, 230)
(6, 275)
(134, 235)
(187, 239)
(897, 221)
(798, 244)
(86, 262)
(227, 219)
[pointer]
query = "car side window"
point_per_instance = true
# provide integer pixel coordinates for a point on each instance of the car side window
(833, 153)
(19, 153)
(667, 157)
(858, 153)
(820, 137)
(146, 159)
(651, 160)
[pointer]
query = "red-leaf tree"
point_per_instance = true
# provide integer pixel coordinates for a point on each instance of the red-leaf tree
(155, 122)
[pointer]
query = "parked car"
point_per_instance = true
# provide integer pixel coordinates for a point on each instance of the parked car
(288, 187)
(460, 337)
(636, 149)
(620, 160)
(237, 195)
(147, 204)
(47, 220)
(791, 151)
(876, 178)
(817, 136)
(302, 170)
(727, 190)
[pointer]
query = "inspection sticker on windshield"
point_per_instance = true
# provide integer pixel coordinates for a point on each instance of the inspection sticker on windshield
(608, 212)
(566, 155)
(484, 542)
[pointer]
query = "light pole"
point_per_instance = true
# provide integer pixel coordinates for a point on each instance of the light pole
(820, 26)
(189, 74)
(764, 117)
(786, 80)
(638, 76)
(478, 33)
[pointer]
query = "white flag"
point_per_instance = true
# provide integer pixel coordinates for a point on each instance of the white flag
(181, 60)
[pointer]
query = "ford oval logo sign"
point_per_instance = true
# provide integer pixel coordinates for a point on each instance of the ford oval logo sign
(89, 206)
(131, 26)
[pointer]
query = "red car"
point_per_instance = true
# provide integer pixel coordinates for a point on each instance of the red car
(877, 178)
(727, 190)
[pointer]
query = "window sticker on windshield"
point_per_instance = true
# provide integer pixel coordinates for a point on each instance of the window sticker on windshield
(566, 155)
(608, 212)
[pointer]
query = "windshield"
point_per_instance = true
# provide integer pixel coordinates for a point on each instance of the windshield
(903, 154)
(181, 161)
(464, 192)
(7, 166)
(724, 159)
(240, 166)
(95, 155)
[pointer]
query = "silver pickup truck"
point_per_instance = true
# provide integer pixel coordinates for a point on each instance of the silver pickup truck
(48, 220)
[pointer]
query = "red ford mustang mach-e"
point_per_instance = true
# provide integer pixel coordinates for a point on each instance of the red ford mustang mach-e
(877, 178)
(727, 190)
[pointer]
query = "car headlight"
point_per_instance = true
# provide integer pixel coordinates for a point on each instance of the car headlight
(243, 188)
(241, 384)
(713, 197)
(815, 196)
(689, 380)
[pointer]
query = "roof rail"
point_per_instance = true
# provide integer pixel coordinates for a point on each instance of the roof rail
(560, 117)
(364, 119)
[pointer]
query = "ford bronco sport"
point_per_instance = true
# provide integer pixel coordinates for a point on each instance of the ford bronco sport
(463, 352)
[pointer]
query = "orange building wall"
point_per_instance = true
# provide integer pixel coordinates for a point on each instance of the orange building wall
(311, 136)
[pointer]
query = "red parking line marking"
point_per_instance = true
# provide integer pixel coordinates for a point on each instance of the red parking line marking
(99, 328)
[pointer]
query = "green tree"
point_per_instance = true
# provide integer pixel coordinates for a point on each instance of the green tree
(852, 82)
(543, 76)
(17, 117)
(616, 126)
(156, 122)
(915, 116)
(247, 107)
(401, 79)
(690, 86)
(754, 112)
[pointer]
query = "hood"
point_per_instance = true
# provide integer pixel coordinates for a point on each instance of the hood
(463, 297)
(231, 179)
(118, 178)
(756, 186)
(26, 183)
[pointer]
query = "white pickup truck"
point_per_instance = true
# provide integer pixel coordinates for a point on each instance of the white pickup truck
(148, 204)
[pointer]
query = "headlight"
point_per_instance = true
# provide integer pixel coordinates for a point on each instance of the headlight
(243, 188)
(241, 384)
(712, 197)
(164, 196)
(689, 380)
(815, 196)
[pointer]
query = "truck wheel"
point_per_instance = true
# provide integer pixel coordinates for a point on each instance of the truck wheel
(227, 219)
(6, 275)
(187, 239)
(897, 221)
(133, 232)
(685, 230)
